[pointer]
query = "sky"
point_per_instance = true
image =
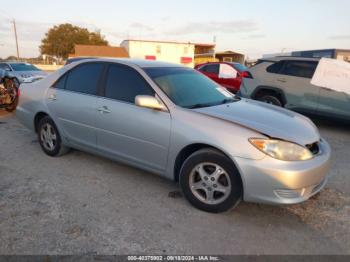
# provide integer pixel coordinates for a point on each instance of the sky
(252, 27)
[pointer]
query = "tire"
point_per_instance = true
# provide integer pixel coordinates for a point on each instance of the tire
(50, 139)
(203, 188)
(270, 99)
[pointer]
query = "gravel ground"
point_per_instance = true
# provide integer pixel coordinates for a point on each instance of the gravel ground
(84, 204)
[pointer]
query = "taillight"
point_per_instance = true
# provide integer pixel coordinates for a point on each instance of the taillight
(246, 74)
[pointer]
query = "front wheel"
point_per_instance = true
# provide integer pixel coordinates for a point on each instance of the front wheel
(49, 138)
(210, 181)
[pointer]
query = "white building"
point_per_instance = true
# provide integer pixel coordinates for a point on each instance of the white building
(173, 52)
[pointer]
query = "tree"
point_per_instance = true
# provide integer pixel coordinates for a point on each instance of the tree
(11, 58)
(60, 40)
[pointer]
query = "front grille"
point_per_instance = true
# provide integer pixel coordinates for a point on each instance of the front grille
(314, 148)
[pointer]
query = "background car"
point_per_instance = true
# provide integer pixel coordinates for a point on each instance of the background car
(19, 71)
(228, 75)
(286, 82)
(8, 92)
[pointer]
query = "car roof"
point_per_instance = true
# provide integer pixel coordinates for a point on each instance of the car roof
(136, 62)
(219, 62)
(75, 59)
(13, 62)
(280, 58)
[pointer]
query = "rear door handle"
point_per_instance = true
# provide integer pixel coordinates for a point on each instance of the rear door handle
(52, 97)
(282, 80)
(104, 109)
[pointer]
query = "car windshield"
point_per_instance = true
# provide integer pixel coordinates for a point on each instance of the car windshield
(23, 67)
(188, 88)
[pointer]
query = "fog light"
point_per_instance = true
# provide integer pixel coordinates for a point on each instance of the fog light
(289, 193)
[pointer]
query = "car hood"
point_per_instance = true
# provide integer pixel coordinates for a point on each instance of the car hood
(28, 74)
(267, 119)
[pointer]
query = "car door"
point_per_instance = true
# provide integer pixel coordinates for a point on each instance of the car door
(211, 71)
(334, 103)
(228, 77)
(72, 102)
(127, 132)
(294, 78)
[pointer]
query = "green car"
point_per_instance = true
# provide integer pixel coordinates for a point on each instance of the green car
(286, 82)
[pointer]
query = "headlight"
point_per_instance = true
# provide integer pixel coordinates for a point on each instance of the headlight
(281, 150)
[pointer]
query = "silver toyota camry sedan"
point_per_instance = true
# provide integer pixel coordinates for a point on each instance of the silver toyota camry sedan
(175, 122)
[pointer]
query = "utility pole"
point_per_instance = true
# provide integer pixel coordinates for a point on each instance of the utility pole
(14, 28)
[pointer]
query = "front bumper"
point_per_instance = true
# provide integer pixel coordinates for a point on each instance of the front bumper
(273, 181)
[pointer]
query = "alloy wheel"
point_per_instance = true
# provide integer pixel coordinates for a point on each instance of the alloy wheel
(48, 137)
(210, 183)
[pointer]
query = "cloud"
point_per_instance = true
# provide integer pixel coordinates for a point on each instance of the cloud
(141, 26)
(30, 34)
(215, 27)
(255, 36)
(32, 31)
(340, 37)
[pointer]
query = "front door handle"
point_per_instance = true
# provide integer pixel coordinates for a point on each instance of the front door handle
(52, 97)
(282, 80)
(104, 109)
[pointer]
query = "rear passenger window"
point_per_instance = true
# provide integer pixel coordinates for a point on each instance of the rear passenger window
(304, 69)
(125, 83)
(275, 68)
(213, 69)
(84, 78)
(60, 84)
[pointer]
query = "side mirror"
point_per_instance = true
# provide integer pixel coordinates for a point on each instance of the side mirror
(149, 102)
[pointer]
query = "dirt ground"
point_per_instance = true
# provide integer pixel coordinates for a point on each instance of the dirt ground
(84, 204)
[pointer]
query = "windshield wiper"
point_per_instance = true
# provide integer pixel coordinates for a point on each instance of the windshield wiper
(230, 100)
(225, 101)
(199, 105)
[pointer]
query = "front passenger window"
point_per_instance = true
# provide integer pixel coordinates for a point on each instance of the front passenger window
(124, 84)
(227, 71)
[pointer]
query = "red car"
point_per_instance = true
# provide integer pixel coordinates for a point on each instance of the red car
(229, 75)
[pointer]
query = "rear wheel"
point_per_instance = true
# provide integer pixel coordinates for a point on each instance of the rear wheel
(271, 99)
(210, 181)
(49, 138)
